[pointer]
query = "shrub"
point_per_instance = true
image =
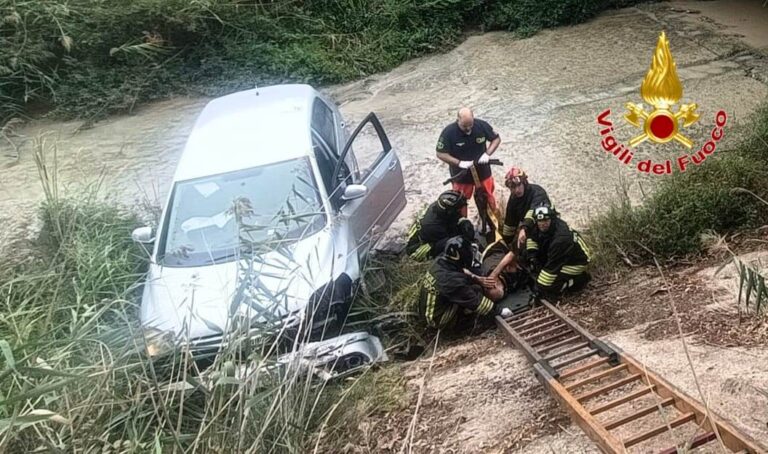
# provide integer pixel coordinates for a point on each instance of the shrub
(670, 222)
(86, 58)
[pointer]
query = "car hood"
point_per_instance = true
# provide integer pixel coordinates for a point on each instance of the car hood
(195, 302)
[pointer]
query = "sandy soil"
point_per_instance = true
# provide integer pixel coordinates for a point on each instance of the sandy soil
(542, 94)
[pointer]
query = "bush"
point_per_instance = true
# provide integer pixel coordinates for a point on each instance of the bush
(670, 223)
(86, 58)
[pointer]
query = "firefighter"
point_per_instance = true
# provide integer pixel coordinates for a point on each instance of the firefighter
(441, 221)
(448, 290)
(465, 143)
(524, 196)
(557, 256)
(502, 257)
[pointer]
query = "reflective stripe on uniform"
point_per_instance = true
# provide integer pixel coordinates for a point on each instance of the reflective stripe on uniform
(545, 278)
(583, 245)
(429, 286)
(485, 306)
(447, 316)
(507, 230)
(531, 245)
(422, 252)
(573, 270)
(528, 215)
(415, 229)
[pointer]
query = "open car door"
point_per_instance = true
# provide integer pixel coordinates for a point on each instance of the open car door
(382, 178)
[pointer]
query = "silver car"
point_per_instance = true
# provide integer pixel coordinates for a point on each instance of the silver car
(272, 212)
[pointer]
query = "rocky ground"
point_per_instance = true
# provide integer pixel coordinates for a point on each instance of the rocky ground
(543, 95)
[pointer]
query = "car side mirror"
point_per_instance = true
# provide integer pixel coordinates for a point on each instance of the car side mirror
(143, 235)
(354, 191)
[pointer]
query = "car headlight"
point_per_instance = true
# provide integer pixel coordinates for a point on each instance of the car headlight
(158, 342)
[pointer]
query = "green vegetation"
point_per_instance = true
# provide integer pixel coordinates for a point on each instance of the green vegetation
(670, 222)
(74, 369)
(87, 58)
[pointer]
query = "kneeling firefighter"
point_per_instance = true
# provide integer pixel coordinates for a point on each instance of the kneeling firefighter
(440, 222)
(448, 290)
(558, 256)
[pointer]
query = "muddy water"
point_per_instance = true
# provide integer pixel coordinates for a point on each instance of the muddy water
(542, 94)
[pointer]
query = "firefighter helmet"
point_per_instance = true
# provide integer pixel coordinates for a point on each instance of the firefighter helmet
(466, 229)
(459, 251)
(450, 201)
(515, 176)
(544, 212)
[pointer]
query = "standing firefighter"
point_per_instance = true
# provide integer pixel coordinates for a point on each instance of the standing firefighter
(440, 222)
(557, 255)
(464, 143)
(448, 290)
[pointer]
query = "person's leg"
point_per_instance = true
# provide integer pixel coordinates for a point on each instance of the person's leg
(577, 277)
(490, 187)
(571, 278)
(467, 190)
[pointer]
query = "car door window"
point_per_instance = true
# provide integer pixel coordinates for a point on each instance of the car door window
(371, 145)
(328, 164)
(323, 122)
(325, 161)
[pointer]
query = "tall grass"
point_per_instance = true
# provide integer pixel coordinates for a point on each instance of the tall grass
(75, 375)
(87, 58)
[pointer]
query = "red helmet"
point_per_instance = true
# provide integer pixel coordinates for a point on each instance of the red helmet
(515, 176)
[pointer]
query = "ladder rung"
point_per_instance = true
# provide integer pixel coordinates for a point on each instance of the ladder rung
(558, 345)
(575, 359)
(537, 327)
(688, 417)
(580, 369)
(546, 332)
(623, 399)
(639, 414)
(575, 348)
(550, 339)
(700, 440)
(523, 315)
(534, 322)
(595, 377)
(608, 387)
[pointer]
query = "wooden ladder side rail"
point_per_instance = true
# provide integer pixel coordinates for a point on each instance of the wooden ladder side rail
(533, 356)
(732, 438)
(607, 442)
(517, 340)
(594, 342)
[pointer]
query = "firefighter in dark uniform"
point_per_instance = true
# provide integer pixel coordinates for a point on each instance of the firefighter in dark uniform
(448, 290)
(501, 258)
(441, 221)
(523, 198)
(557, 255)
(461, 144)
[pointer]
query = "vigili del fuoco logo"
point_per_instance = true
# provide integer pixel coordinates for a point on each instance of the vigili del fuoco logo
(664, 124)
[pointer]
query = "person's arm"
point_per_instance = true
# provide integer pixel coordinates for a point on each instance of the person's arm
(509, 227)
(470, 296)
(443, 152)
(494, 137)
(448, 159)
(507, 260)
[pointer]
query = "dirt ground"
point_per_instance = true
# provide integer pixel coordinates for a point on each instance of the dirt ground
(542, 94)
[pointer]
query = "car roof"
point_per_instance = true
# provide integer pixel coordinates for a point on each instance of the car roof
(248, 129)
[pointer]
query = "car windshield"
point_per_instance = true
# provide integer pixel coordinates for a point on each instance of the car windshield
(211, 218)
